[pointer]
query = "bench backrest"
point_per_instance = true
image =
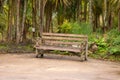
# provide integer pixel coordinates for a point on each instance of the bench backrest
(64, 40)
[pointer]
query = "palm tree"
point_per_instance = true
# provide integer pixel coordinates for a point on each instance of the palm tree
(34, 14)
(105, 15)
(48, 15)
(18, 22)
(42, 8)
(119, 19)
(90, 12)
(23, 19)
(119, 16)
(9, 30)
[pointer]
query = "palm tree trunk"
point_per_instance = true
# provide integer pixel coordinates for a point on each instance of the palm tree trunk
(95, 22)
(78, 6)
(110, 21)
(105, 16)
(9, 30)
(18, 23)
(34, 16)
(119, 20)
(42, 8)
(48, 16)
(90, 13)
(23, 19)
(48, 22)
(85, 10)
(37, 18)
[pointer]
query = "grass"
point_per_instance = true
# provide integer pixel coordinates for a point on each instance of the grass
(104, 56)
(13, 48)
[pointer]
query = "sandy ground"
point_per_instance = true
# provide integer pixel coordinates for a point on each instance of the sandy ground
(55, 67)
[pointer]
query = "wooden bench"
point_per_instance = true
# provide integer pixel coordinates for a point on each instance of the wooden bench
(62, 42)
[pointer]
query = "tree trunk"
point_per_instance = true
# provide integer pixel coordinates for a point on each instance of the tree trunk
(48, 21)
(119, 20)
(37, 32)
(18, 23)
(23, 19)
(78, 6)
(110, 21)
(42, 8)
(85, 10)
(9, 30)
(105, 16)
(90, 13)
(48, 17)
(95, 22)
(34, 16)
(25, 30)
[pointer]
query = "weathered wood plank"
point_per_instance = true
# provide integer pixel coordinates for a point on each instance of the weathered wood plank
(59, 48)
(61, 42)
(63, 38)
(66, 35)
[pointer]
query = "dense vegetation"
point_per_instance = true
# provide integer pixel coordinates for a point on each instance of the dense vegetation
(23, 20)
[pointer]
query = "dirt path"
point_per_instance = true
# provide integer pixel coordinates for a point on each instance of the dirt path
(55, 67)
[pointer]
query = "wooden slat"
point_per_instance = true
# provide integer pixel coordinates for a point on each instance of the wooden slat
(61, 42)
(63, 38)
(58, 48)
(67, 35)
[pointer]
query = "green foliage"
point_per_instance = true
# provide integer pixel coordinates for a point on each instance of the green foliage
(114, 42)
(81, 28)
(2, 22)
(75, 28)
(102, 45)
(65, 27)
(108, 46)
(114, 50)
(14, 48)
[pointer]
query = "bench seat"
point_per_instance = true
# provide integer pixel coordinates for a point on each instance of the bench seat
(70, 49)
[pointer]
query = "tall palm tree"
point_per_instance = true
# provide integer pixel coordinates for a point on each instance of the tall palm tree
(97, 11)
(23, 19)
(34, 14)
(119, 16)
(90, 12)
(105, 15)
(42, 8)
(9, 30)
(18, 22)
(119, 19)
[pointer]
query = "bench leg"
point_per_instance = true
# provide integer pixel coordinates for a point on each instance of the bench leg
(86, 51)
(36, 51)
(86, 57)
(40, 54)
(82, 56)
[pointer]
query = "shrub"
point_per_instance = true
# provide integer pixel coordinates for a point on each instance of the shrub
(65, 27)
(75, 28)
(102, 45)
(81, 28)
(114, 42)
